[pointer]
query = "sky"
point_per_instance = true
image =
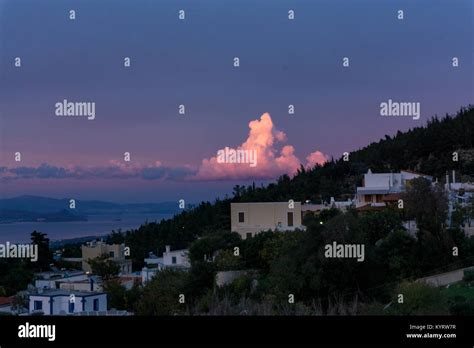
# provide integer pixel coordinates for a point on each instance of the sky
(191, 62)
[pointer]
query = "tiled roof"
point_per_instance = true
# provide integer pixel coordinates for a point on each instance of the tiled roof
(5, 300)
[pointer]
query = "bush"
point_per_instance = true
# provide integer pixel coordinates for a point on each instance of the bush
(418, 299)
(461, 306)
(468, 275)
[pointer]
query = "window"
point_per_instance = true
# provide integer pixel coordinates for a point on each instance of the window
(290, 219)
(71, 307)
(38, 305)
(173, 260)
(249, 235)
(111, 254)
(96, 304)
(241, 217)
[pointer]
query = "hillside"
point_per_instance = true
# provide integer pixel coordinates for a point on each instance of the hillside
(427, 149)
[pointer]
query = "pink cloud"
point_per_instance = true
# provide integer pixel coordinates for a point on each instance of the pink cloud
(262, 139)
(314, 158)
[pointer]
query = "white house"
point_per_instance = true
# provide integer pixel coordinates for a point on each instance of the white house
(248, 219)
(53, 280)
(169, 259)
(64, 302)
(175, 258)
(377, 186)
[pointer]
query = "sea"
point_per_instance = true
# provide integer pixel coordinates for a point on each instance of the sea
(97, 225)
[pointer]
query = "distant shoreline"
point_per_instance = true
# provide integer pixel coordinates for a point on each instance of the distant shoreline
(96, 226)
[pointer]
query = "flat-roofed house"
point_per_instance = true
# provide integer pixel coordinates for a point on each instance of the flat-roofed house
(171, 259)
(379, 188)
(115, 253)
(64, 302)
(248, 219)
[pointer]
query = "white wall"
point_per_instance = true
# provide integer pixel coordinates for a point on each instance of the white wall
(61, 303)
(89, 306)
(381, 180)
(264, 216)
(45, 301)
(180, 255)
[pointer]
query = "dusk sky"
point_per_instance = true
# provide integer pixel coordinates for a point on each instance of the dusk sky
(190, 62)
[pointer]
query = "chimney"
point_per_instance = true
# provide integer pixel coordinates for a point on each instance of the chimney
(91, 281)
(167, 247)
(454, 176)
(447, 181)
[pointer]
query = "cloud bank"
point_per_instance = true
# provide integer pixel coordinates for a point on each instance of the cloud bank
(274, 158)
(114, 170)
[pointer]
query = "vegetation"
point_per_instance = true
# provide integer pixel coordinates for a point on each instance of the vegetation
(16, 274)
(104, 267)
(293, 263)
(284, 264)
(426, 149)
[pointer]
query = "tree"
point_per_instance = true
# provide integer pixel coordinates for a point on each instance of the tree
(209, 244)
(427, 204)
(418, 299)
(227, 261)
(44, 255)
(104, 267)
(15, 275)
(163, 293)
(20, 302)
(200, 279)
(396, 253)
(119, 297)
